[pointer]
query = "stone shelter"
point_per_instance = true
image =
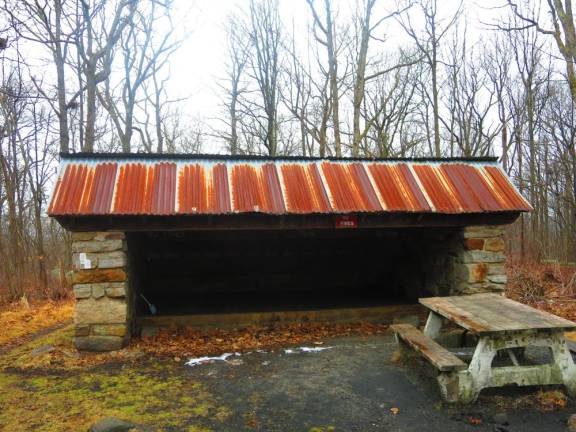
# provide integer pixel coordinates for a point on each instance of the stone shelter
(214, 240)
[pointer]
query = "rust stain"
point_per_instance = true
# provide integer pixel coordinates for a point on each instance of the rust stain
(457, 177)
(99, 189)
(70, 190)
(398, 188)
(159, 187)
(350, 188)
(203, 189)
(256, 189)
(474, 244)
(132, 192)
(162, 189)
(436, 188)
(304, 190)
(510, 198)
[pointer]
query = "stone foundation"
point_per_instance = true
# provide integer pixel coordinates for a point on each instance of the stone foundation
(101, 290)
(436, 262)
(481, 262)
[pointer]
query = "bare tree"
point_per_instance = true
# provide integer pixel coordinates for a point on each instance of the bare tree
(265, 32)
(324, 29)
(238, 45)
(428, 43)
(48, 23)
(563, 31)
(95, 42)
(145, 46)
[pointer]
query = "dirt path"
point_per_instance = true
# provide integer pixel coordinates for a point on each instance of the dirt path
(15, 343)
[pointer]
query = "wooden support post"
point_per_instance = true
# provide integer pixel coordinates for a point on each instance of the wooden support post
(433, 325)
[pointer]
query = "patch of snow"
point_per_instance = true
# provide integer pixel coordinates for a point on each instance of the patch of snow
(306, 350)
(200, 360)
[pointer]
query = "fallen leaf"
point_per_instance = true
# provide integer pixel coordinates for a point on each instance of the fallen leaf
(474, 421)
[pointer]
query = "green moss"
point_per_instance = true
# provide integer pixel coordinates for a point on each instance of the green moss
(21, 355)
(55, 403)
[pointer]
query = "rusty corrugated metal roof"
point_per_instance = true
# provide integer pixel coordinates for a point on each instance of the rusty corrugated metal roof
(152, 185)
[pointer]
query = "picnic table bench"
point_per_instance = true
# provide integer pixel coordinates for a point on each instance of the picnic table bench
(498, 324)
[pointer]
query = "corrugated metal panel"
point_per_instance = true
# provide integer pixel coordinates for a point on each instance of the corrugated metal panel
(165, 187)
(349, 188)
(70, 190)
(146, 189)
(303, 189)
(256, 188)
(505, 191)
(438, 189)
(398, 188)
(203, 189)
(99, 188)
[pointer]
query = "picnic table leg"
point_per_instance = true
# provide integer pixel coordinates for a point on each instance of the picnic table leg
(433, 325)
(464, 386)
(563, 362)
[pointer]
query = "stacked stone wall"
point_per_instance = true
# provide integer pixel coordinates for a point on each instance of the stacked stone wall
(101, 290)
(481, 261)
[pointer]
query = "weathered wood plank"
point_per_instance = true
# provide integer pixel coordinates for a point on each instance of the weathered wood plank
(439, 356)
(490, 313)
(379, 314)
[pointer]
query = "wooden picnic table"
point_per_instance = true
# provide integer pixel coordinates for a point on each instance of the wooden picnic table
(499, 324)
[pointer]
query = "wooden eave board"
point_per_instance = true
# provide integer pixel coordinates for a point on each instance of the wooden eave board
(492, 313)
(440, 357)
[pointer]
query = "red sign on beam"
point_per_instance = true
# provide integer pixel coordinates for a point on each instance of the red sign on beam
(347, 221)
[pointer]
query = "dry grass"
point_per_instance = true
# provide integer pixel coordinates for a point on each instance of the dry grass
(549, 287)
(20, 320)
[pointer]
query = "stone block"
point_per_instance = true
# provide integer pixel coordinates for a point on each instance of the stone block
(82, 330)
(496, 269)
(83, 260)
(495, 244)
(474, 244)
(116, 289)
(498, 279)
(112, 424)
(486, 231)
(101, 311)
(83, 236)
(109, 330)
(97, 246)
(98, 275)
(476, 272)
(111, 259)
(482, 287)
(482, 257)
(98, 290)
(98, 343)
(82, 291)
(111, 235)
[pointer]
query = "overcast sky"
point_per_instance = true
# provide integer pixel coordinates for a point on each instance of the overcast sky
(198, 65)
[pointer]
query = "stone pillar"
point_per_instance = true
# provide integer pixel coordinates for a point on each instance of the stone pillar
(101, 289)
(481, 261)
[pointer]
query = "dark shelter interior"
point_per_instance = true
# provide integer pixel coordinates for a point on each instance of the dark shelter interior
(205, 272)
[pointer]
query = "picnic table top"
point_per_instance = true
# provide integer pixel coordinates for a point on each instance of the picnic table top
(493, 313)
